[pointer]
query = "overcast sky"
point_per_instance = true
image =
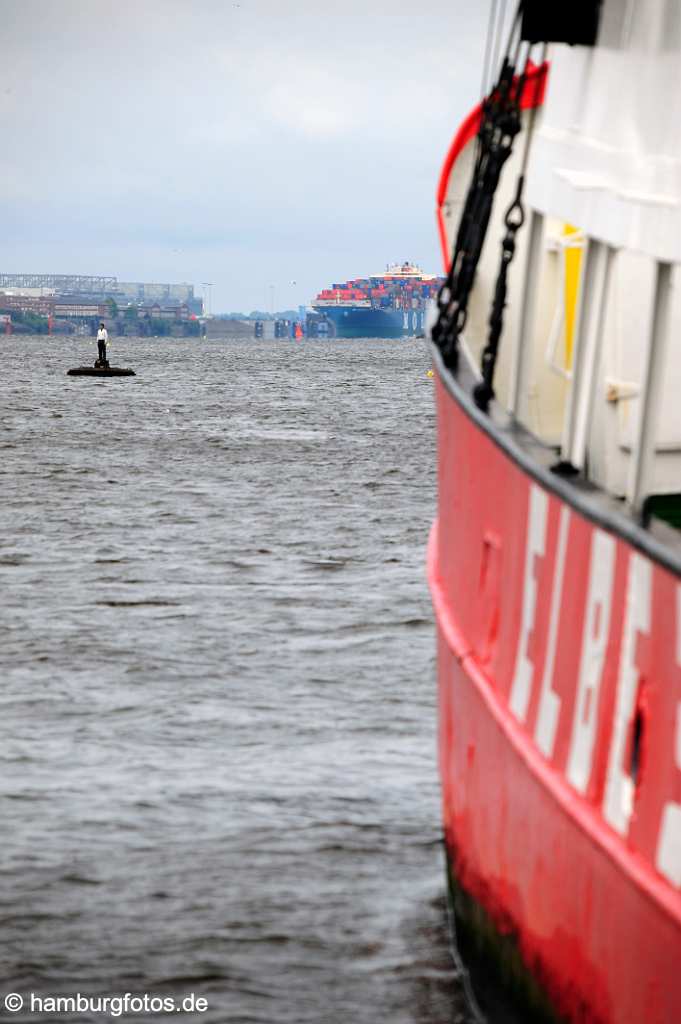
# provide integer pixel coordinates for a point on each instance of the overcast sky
(248, 144)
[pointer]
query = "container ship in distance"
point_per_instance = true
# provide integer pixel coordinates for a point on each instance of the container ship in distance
(389, 305)
(555, 559)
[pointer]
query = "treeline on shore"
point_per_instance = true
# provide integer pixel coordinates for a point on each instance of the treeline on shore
(258, 314)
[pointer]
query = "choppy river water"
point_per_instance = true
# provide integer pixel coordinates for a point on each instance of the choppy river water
(218, 725)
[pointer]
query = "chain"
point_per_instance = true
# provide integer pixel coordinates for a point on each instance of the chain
(514, 220)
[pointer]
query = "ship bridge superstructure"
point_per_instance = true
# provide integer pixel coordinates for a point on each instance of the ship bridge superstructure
(403, 272)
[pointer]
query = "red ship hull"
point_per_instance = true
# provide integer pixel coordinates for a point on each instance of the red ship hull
(559, 673)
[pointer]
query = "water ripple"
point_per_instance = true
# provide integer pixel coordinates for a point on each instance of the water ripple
(218, 727)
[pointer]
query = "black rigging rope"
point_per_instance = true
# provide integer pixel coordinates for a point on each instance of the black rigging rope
(492, 35)
(499, 124)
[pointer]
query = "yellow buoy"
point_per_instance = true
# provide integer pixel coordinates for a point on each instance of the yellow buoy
(429, 373)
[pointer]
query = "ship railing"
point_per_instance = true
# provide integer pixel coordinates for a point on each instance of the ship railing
(583, 375)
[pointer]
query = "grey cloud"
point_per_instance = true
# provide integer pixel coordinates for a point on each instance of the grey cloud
(261, 142)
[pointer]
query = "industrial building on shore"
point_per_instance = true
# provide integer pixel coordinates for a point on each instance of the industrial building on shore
(65, 303)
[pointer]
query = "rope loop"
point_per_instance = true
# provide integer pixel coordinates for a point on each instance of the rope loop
(515, 216)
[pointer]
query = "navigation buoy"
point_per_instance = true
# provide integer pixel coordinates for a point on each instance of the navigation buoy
(101, 371)
(429, 373)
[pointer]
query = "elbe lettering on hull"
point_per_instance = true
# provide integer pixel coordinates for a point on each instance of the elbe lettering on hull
(624, 635)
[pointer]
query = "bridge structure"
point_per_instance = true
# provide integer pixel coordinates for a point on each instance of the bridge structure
(70, 284)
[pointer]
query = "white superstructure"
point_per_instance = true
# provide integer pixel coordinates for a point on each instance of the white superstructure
(592, 365)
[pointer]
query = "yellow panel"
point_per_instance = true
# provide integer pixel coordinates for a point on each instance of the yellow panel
(573, 262)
